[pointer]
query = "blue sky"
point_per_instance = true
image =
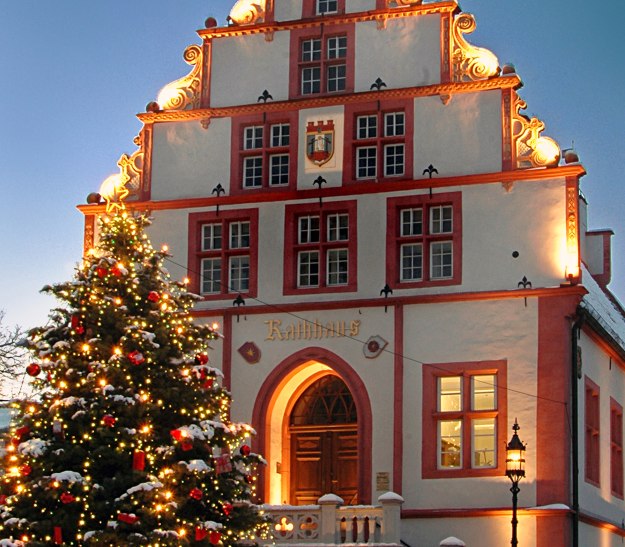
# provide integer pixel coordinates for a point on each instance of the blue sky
(76, 72)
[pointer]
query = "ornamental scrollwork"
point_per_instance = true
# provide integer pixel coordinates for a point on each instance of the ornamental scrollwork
(470, 62)
(131, 168)
(532, 150)
(184, 94)
(248, 12)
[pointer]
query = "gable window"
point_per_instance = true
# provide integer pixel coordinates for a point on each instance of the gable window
(616, 448)
(591, 411)
(223, 253)
(264, 152)
(324, 63)
(378, 143)
(323, 248)
(315, 8)
(464, 419)
(424, 240)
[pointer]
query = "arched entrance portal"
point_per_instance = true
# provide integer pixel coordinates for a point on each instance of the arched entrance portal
(323, 433)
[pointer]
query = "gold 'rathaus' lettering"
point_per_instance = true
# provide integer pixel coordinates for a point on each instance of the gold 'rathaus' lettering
(310, 330)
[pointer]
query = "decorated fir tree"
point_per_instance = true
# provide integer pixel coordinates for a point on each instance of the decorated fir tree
(129, 441)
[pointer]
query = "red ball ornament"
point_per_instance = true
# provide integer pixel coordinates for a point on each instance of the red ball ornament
(136, 357)
(208, 384)
(66, 498)
(108, 420)
(33, 369)
(153, 296)
(116, 271)
(101, 272)
(128, 518)
(201, 358)
(176, 434)
(186, 445)
(227, 508)
(3, 499)
(80, 329)
(21, 432)
(214, 537)
(26, 470)
(196, 494)
(245, 450)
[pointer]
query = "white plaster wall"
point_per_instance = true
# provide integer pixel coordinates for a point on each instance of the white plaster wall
(593, 252)
(332, 171)
(475, 532)
(460, 332)
(610, 378)
(462, 137)
(597, 537)
(405, 54)
(270, 253)
(242, 69)
(354, 6)
(530, 219)
(171, 228)
(287, 10)
(188, 160)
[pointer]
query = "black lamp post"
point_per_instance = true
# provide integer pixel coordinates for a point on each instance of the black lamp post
(515, 471)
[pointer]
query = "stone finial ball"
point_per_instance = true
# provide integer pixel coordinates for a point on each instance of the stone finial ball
(152, 106)
(211, 22)
(94, 198)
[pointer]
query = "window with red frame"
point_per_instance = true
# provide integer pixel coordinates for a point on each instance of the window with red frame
(464, 415)
(265, 156)
(323, 247)
(223, 252)
(424, 240)
(312, 8)
(592, 453)
(378, 141)
(616, 448)
(322, 63)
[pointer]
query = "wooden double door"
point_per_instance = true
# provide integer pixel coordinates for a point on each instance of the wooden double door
(324, 444)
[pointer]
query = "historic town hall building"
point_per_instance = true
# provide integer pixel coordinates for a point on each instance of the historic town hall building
(400, 265)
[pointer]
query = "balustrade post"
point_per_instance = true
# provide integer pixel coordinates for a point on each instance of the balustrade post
(329, 504)
(391, 520)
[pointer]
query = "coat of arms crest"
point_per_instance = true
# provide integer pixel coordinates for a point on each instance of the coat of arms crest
(320, 142)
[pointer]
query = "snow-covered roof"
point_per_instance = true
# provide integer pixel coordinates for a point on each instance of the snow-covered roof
(603, 309)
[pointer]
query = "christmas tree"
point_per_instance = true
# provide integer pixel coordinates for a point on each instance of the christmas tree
(129, 441)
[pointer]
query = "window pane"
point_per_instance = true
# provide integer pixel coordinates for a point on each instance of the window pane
(483, 392)
(280, 135)
(239, 235)
(366, 127)
(211, 237)
(441, 219)
(308, 231)
(366, 162)
(337, 47)
(411, 222)
(239, 273)
(338, 227)
(253, 138)
(311, 80)
(210, 275)
(441, 260)
(279, 169)
(484, 442)
(337, 267)
(253, 172)
(311, 50)
(308, 269)
(326, 6)
(411, 258)
(450, 393)
(337, 78)
(449, 444)
(393, 160)
(394, 124)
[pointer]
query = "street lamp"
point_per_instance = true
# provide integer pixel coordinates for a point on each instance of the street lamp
(515, 471)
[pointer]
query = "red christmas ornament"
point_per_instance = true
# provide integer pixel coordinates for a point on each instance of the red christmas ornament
(138, 460)
(208, 384)
(58, 535)
(80, 329)
(108, 420)
(66, 498)
(200, 533)
(101, 272)
(227, 508)
(201, 358)
(21, 432)
(214, 537)
(223, 464)
(33, 369)
(245, 450)
(186, 445)
(176, 434)
(116, 271)
(26, 470)
(153, 296)
(127, 518)
(136, 357)
(3, 499)
(196, 494)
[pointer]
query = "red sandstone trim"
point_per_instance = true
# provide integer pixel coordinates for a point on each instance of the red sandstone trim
(398, 405)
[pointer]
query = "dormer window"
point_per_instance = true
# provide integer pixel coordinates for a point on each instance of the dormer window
(327, 6)
(317, 8)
